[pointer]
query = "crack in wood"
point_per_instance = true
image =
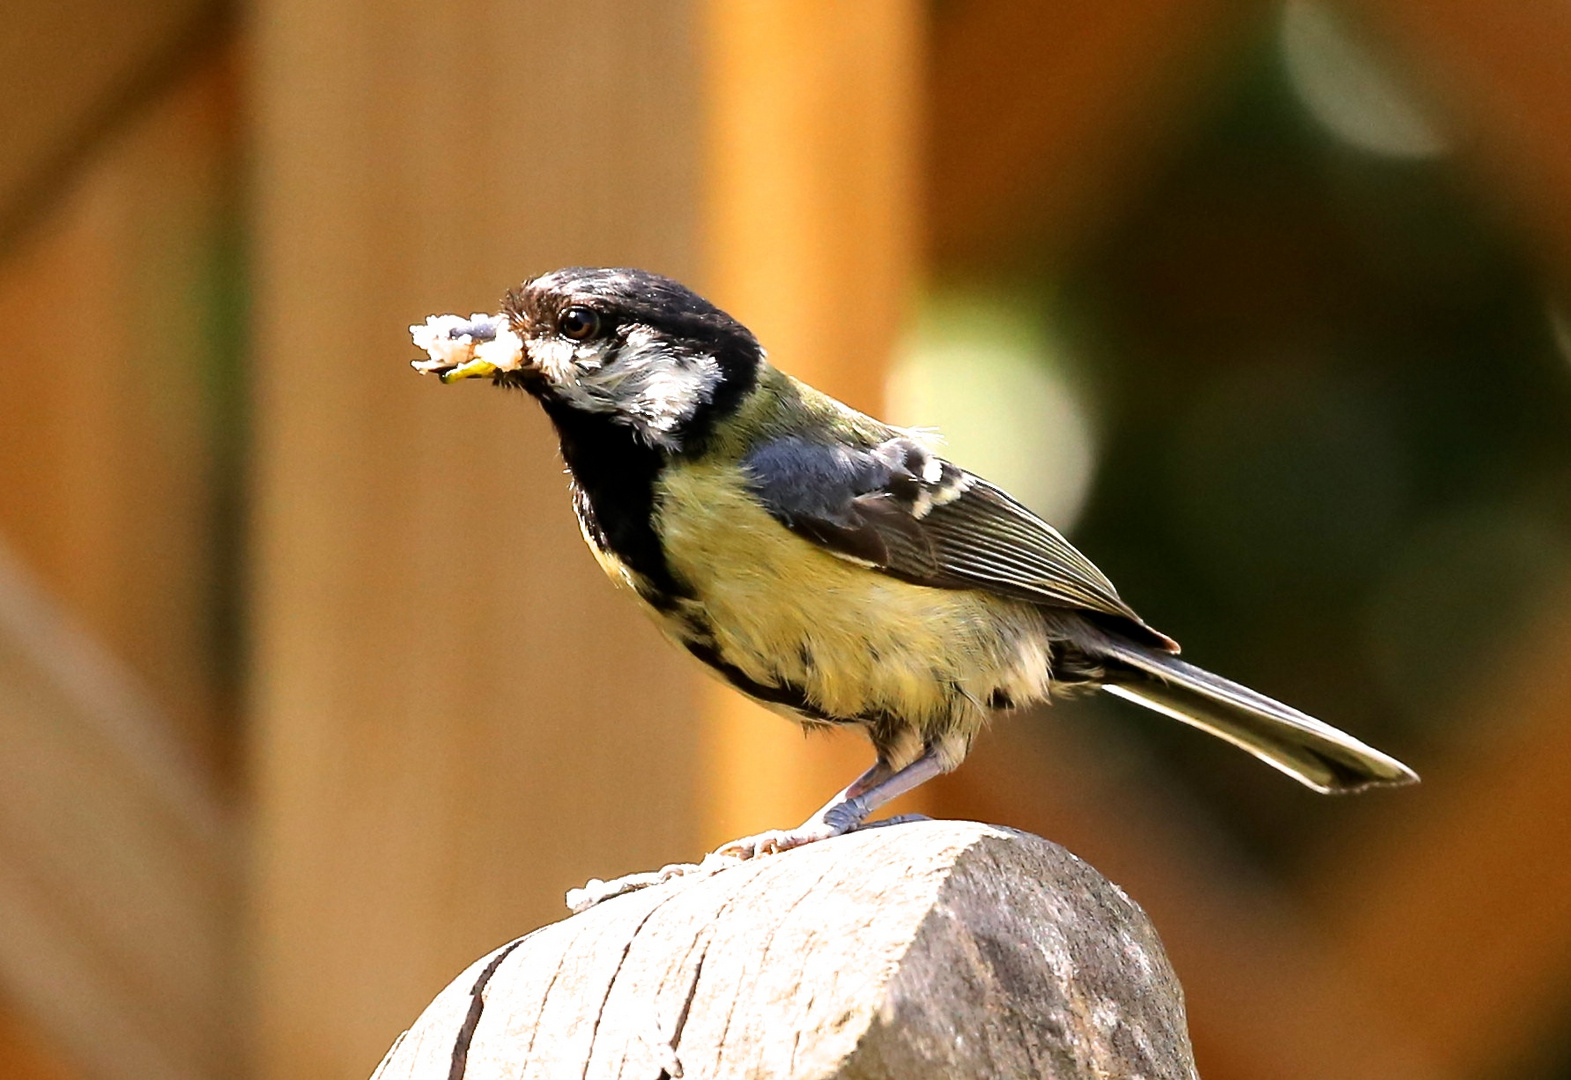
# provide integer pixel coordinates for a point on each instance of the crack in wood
(687, 1004)
(716, 917)
(940, 951)
(594, 1032)
(681, 1018)
(545, 996)
(466, 1034)
(806, 893)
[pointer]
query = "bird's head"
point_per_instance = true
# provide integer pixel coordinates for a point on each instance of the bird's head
(637, 348)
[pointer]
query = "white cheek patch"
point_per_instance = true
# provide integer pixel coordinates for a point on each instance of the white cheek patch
(647, 383)
(558, 360)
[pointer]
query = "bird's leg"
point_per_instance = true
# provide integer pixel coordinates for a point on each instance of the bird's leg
(843, 813)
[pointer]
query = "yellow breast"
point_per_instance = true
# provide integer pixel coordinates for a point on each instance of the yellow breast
(783, 609)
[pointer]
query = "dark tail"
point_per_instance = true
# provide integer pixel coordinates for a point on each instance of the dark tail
(1309, 751)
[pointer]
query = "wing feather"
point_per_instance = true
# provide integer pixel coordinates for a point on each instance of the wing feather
(905, 511)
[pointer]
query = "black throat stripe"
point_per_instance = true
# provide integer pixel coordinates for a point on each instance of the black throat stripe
(614, 472)
(614, 476)
(787, 694)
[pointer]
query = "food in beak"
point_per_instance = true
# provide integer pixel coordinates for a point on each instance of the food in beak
(460, 348)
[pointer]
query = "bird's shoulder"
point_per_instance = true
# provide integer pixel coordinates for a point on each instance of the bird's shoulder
(781, 406)
(885, 498)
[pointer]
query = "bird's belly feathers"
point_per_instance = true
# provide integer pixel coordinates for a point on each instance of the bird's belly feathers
(860, 645)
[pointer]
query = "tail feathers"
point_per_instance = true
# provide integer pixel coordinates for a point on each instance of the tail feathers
(1311, 752)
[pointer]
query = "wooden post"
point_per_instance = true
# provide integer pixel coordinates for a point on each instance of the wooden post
(931, 950)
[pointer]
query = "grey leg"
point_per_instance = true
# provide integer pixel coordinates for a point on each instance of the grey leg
(845, 812)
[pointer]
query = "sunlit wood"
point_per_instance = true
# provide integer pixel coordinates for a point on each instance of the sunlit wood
(979, 954)
(456, 718)
(1266, 993)
(810, 227)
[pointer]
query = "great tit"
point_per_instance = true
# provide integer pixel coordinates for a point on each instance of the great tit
(832, 567)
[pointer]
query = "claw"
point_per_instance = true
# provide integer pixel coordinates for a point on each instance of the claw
(777, 840)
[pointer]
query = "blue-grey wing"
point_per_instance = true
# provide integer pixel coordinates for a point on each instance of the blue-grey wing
(902, 509)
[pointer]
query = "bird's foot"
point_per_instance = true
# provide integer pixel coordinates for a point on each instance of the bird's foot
(595, 891)
(776, 840)
(809, 832)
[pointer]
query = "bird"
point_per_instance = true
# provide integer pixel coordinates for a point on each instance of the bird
(834, 568)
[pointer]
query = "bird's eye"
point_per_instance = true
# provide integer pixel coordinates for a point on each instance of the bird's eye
(578, 323)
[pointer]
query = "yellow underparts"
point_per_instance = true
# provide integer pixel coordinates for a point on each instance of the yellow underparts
(861, 643)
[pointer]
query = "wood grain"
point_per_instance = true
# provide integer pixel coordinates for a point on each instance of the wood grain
(932, 950)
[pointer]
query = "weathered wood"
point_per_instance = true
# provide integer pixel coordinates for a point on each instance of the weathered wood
(932, 949)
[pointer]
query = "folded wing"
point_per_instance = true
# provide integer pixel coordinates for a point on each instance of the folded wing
(903, 510)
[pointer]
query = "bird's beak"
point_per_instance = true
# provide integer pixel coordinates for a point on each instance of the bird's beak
(473, 369)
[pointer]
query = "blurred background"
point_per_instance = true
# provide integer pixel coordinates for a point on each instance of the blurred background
(310, 695)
